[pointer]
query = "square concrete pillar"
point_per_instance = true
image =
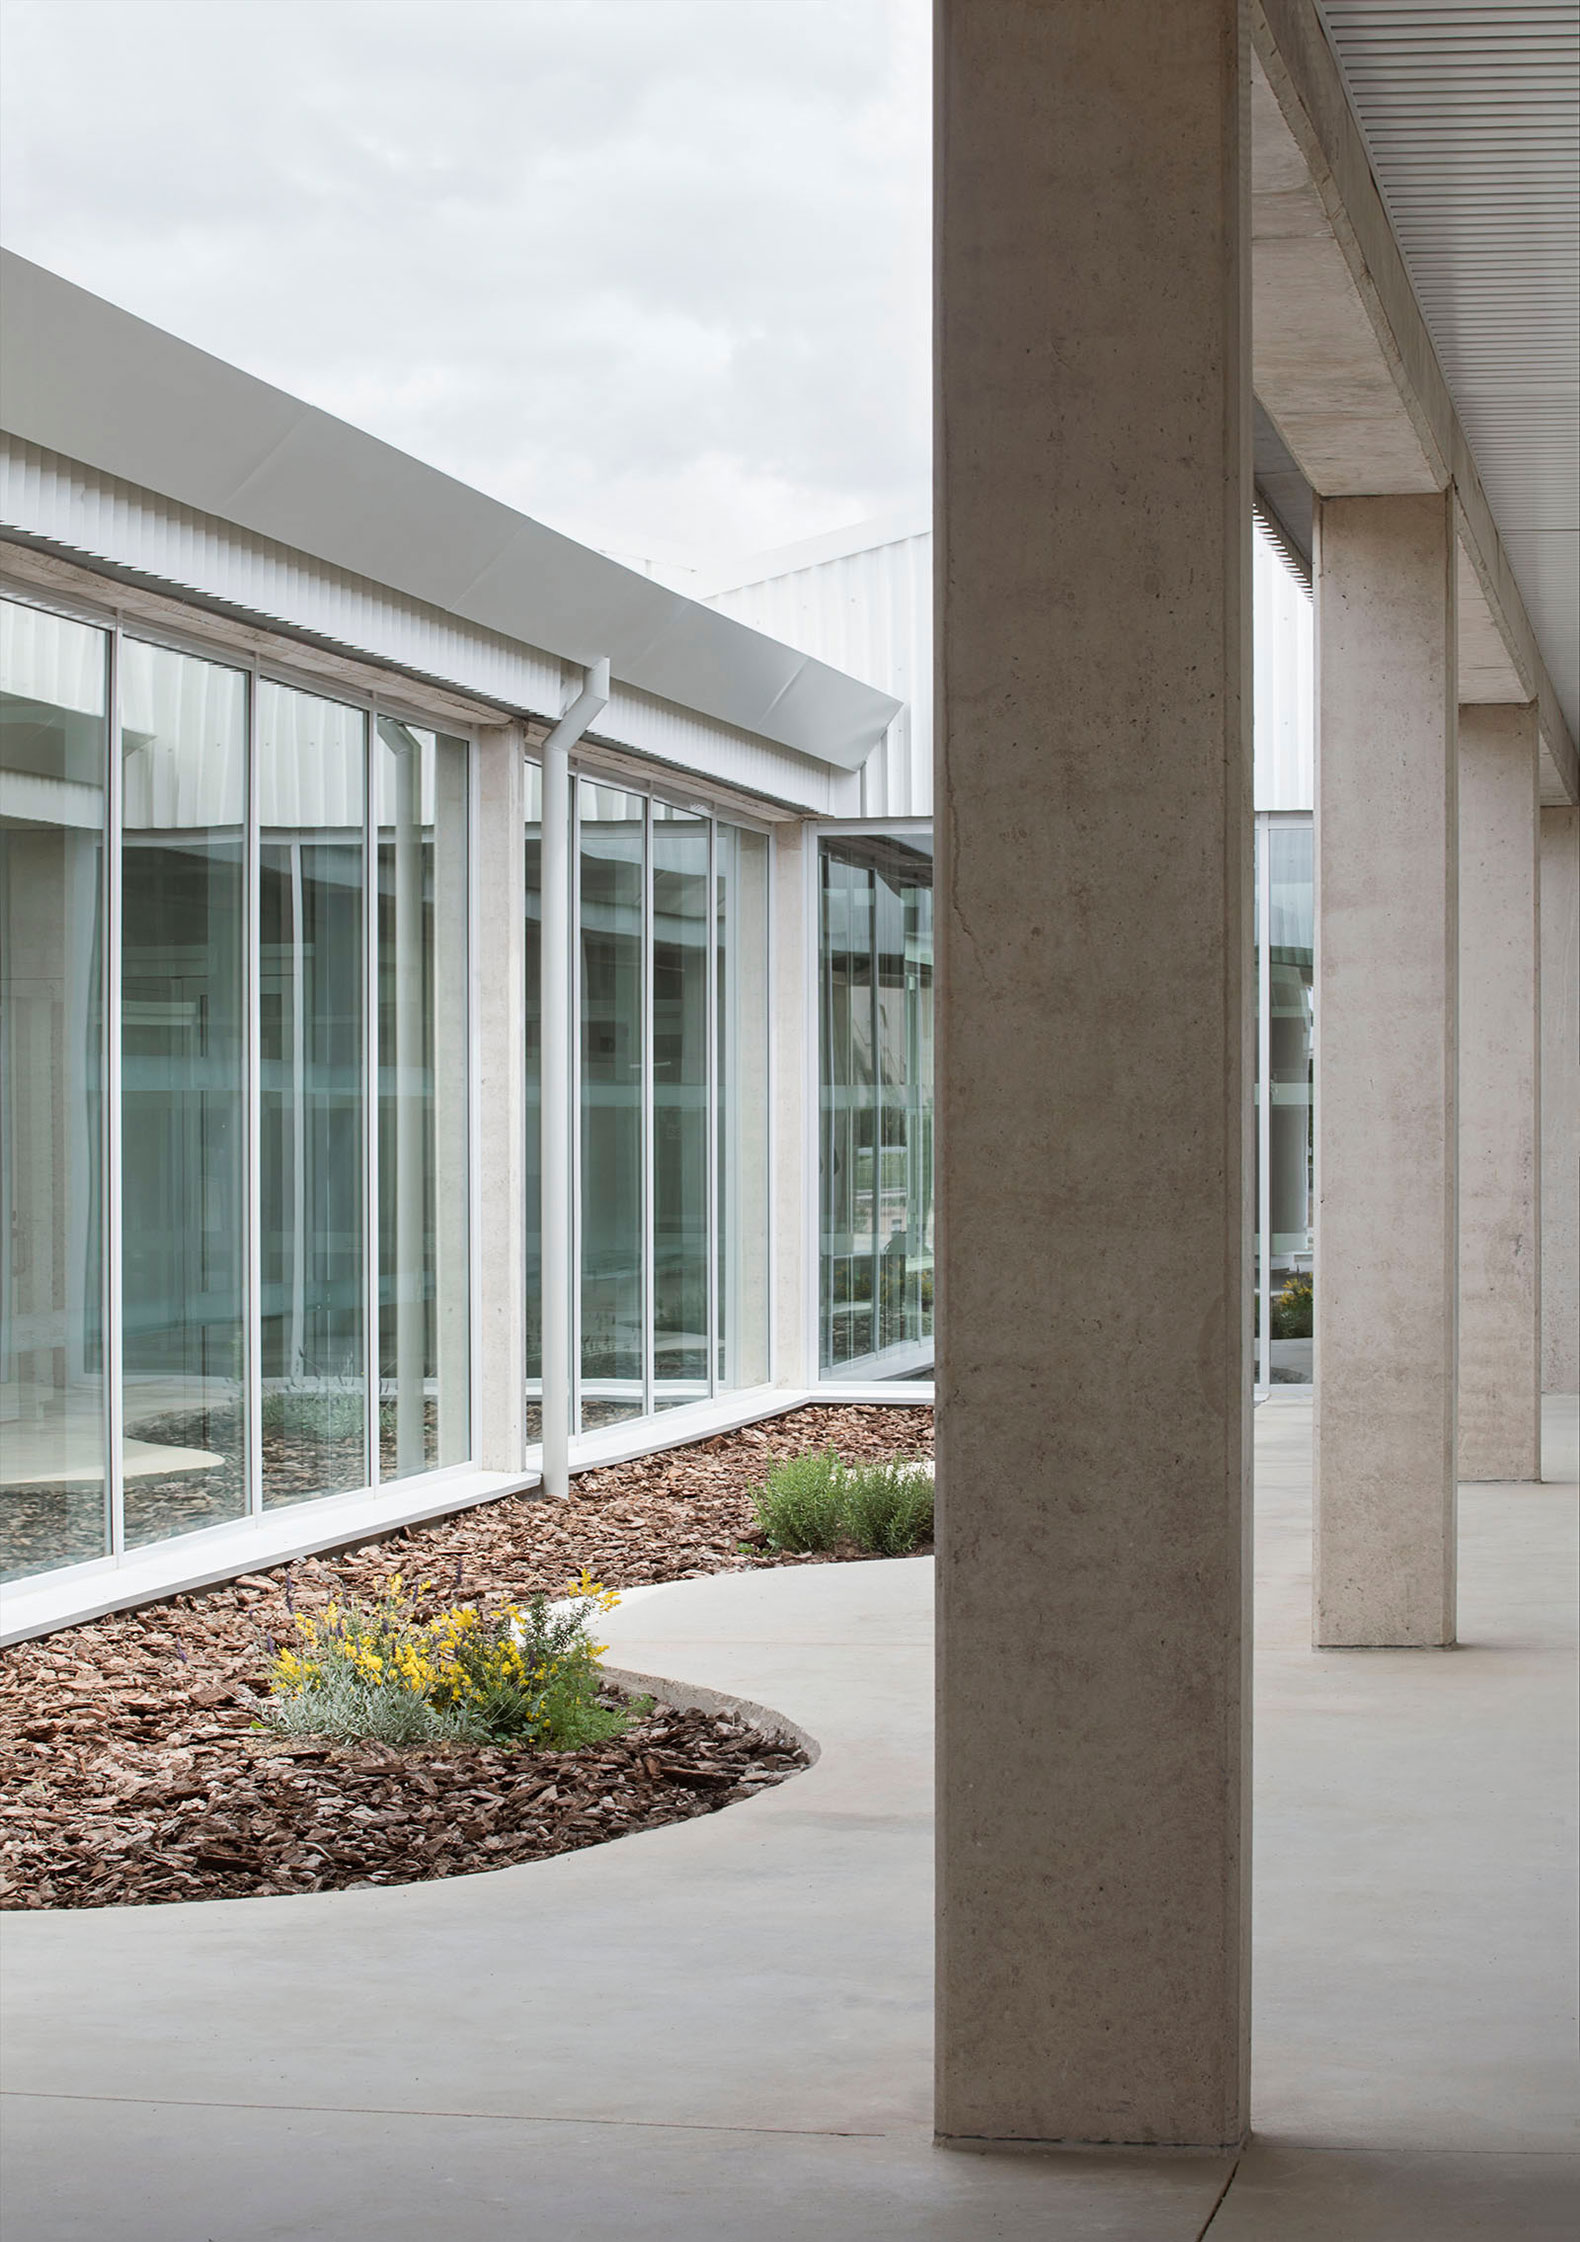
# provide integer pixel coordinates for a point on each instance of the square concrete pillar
(1500, 1400)
(1387, 965)
(1094, 838)
(1560, 885)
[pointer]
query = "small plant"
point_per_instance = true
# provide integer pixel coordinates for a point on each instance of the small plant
(811, 1503)
(888, 1507)
(800, 1507)
(376, 1671)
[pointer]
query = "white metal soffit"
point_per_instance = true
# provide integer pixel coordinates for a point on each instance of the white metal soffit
(81, 377)
(1471, 112)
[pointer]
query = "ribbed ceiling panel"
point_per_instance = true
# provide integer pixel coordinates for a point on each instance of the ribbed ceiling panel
(1471, 111)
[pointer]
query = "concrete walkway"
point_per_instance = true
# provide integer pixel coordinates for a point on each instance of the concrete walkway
(721, 2029)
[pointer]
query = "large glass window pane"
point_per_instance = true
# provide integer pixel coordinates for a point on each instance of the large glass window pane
(877, 1104)
(743, 1181)
(533, 1039)
(681, 932)
(424, 1280)
(1290, 985)
(183, 1119)
(611, 880)
(312, 757)
(53, 742)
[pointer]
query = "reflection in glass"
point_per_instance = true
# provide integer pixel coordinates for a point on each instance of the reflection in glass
(424, 1283)
(311, 787)
(533, 1040)
(611, 878)
(1285, 987)
(877, 1104)
(681, 930)
(183, 1090)
(53, 737)
(743, 1192)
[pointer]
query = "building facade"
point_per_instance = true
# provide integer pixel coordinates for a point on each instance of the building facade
(312, 1187)
(862, 598)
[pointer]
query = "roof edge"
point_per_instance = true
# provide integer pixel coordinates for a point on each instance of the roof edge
(85, 379)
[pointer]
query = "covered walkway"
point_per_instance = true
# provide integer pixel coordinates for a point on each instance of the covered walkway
(724, 2028)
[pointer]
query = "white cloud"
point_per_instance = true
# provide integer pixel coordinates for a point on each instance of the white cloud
(653, 270)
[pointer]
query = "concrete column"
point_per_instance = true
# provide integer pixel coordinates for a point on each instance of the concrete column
(1500, 1404)
(1560, 905)
(500, 872)
(1387, 961)
(1094, 836)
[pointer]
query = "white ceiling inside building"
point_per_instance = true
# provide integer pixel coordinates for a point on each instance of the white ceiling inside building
(1471, 112)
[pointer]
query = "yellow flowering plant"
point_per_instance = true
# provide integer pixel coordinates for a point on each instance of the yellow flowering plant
(377, 1669)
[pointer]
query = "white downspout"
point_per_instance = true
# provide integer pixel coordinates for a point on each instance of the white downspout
(558, 1073)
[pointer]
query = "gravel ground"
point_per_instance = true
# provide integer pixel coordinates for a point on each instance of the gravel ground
(133, 1774)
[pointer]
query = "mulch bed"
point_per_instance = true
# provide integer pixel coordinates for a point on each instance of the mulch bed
(133, 1773)
(228, 1815)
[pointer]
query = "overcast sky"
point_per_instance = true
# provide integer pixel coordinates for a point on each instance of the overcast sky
(655, 271)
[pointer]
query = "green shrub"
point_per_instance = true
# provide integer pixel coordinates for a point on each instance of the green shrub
(526, 1674)
(888, 1507)
(800, 1507)
(811, 1503)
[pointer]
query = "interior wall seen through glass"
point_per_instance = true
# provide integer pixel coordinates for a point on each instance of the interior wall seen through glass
(312, 765)
(183, 1090)
(424, 1284)
(53, 771)
(876, 1096)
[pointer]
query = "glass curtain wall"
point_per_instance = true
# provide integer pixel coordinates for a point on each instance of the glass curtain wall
(876, 1097)
(532, 1182)
(424, 1300)
(183, 1021)
(312, 794)
(611, 879)
(670, 1093)
(682, 1146)
(54, 771)
(234, 1059)
(742, 1178)
(1285, 986)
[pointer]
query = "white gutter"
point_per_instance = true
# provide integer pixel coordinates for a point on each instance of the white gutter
(558, 1074)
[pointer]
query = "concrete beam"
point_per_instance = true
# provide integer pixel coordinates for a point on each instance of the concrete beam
(1319, 372)
(1344, 362)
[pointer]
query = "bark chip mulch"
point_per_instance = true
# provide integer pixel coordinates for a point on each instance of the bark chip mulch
(132, 1772)
(231, 1816)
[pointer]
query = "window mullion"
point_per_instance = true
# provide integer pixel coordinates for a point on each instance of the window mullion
(111, 1350)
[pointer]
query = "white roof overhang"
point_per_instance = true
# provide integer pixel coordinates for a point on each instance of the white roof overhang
(82, 378)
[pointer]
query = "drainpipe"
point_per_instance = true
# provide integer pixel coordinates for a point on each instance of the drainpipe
(558, 1074)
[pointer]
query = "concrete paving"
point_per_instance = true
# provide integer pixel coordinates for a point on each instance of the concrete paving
(723, 2028)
